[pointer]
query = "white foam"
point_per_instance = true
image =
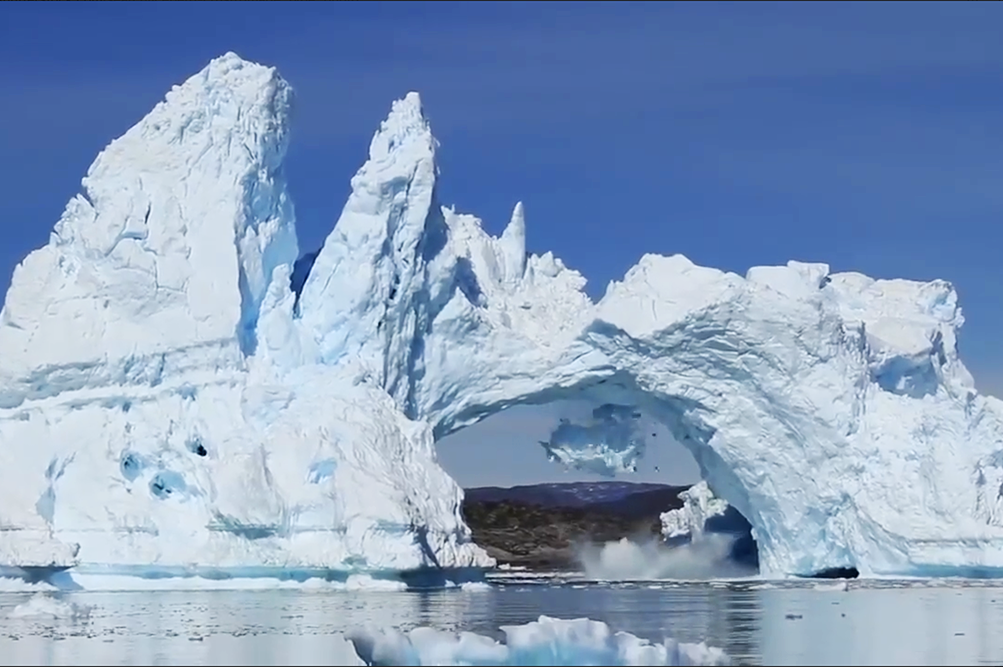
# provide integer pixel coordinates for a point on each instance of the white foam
(42, 605)
(630, 560)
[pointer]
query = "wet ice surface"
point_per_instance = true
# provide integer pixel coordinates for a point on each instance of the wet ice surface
(757, 622)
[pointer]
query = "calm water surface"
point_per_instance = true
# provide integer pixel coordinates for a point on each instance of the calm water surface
(884, 623)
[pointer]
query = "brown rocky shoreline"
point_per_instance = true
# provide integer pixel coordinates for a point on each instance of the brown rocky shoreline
(542, 527)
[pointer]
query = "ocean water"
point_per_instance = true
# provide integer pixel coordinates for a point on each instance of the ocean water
(757, 622)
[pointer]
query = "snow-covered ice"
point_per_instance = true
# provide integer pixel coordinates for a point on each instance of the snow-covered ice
(179, 395)
(547, 641)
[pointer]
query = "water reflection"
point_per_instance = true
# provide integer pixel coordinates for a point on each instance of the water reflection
(756, 624)
(934, 626)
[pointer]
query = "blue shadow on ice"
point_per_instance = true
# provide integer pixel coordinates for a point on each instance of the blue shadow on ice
(57, 577)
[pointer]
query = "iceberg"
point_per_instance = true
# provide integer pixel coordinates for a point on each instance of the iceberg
(700, 507)
(146, 425)
(708, 525)
(183, 393)
(547, 641)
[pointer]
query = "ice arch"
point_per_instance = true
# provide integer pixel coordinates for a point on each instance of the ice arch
(222, 404)
(831, 410)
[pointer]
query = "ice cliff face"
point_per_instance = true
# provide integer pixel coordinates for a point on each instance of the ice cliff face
(139, 415)
(173, 392)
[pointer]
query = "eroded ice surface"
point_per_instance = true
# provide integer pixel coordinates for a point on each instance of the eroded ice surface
(179, 396)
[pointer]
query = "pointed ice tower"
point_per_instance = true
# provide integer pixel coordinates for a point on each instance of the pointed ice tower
(169, 247)
(367, 296)
(153, 274)
(512, 246)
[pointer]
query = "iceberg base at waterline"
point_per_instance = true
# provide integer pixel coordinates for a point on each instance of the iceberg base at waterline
(196, 578)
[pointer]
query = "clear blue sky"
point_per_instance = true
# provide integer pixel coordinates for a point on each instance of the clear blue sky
(867, 135)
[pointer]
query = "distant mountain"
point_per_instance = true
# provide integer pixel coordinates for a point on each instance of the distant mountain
(567, 494)
(540, 525)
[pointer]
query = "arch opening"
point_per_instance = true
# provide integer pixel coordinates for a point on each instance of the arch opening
(612, 430)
